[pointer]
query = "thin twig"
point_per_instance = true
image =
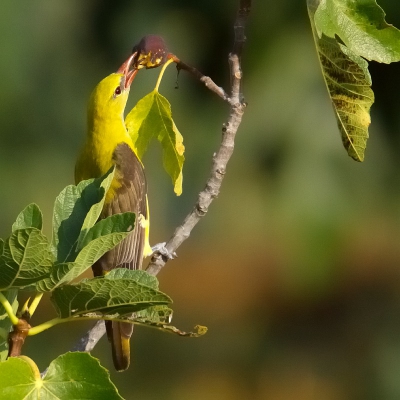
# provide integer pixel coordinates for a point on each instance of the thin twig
(220, 159)
(208, 82)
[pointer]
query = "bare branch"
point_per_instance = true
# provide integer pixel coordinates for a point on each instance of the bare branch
(222, 156)
(89, 341)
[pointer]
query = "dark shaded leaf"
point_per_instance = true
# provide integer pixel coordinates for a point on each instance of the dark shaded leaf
(76, 210)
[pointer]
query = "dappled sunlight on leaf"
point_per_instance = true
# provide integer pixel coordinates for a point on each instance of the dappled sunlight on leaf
(361, 26)
(349, 85)
(152, 118)
(71, 375)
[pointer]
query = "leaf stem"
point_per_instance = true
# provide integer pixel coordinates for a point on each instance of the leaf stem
(162, 73)
(7, 306)
(35, 303)
(46, 325)
(55, 321)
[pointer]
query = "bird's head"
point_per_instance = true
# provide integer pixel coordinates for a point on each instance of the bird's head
(110, 96)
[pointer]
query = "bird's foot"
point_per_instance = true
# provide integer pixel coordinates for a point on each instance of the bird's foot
(160, 248)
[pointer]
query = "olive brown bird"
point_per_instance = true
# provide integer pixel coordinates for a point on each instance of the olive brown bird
(108, 143)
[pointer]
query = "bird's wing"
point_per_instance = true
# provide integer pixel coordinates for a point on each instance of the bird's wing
(130, 195)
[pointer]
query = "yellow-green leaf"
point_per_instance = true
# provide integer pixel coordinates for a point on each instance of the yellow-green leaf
(361, 26)
(349, 85)
(152, 118)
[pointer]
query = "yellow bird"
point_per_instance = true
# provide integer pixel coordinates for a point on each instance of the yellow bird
(108, 143)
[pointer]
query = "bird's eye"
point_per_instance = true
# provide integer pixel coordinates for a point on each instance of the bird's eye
(117, 91)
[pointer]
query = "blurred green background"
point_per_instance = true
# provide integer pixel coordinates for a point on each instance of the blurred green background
(296, 268)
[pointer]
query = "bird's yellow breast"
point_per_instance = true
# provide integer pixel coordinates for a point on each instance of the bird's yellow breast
(95, 158)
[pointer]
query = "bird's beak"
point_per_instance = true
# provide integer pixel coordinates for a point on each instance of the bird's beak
(129, 75)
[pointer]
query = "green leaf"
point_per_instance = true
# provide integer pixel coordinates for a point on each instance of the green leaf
(59, 273)
(116, 223)
(157, 317)
(149, 316)
(30, 217)
(138, 275)
(99, 295)
(152, 117)
(26, 258)
(76, 210)
(134, 121)
(97, 247)
(5, 322)
(348, 81)
(104, 236)
(94, 213)
(361, 26)
(69, 376)
(199, 330)
(68, 216)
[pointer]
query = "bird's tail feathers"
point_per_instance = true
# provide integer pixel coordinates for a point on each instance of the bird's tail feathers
(119, 334)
